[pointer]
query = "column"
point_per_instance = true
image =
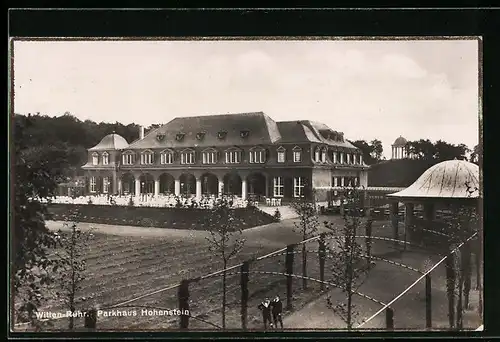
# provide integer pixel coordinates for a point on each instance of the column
(157, 187)
(244, 189)
(115, 185)
(120, 191)
(177, 187)
(221, 187)
(198, 187)
(137, 186)
(395, 221)
(267, 186)
(409, 207)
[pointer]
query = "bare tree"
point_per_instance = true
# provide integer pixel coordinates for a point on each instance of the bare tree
(349, 267)
(225, 239)
(74, 246)
(307, 226)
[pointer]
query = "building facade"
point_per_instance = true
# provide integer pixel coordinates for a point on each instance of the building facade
(246, 154)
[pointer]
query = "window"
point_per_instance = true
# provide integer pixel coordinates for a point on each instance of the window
(92, 184)
(298, 187)
(297, 154)
(147, 157)
(128, 158)
(209, 157)
(281, 154)
(342, 181)
(323, 155)
(233, 157)
(279, 187)
(105, 185)
(335, 181)
(105, 158)
(361, 159)
(348, 158)
(334, 157)
(95, 158)
(166, 157)
(258, 156)
(316, 155)
(341, 157)
(187, 157)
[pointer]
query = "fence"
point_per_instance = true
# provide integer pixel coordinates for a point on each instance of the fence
(199, 300)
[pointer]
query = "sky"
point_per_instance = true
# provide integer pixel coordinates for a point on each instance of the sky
(420, 89)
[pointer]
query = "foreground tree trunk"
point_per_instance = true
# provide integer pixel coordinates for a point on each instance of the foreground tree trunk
(304, 266)
(224, 296)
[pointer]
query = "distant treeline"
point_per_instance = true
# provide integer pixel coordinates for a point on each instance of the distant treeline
(67, 138)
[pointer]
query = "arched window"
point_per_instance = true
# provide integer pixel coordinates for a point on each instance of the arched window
(128, 158)
(297, 154)
(348, 158)
(166, 157)
(147, 157)
(187, 157)
(334, 157)
(105, 158)
(281, 154)
(209, 156)
(257, 155)
(233, 156)
(95, 158)
(323, 155)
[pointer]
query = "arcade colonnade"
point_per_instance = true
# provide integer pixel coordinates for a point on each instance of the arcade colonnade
(198, 183)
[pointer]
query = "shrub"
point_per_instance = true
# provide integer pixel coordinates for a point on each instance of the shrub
(89, 201)
(131, 202)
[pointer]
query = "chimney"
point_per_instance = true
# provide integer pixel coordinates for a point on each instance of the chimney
(141, 132)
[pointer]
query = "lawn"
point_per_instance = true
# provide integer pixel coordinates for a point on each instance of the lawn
(126, 262)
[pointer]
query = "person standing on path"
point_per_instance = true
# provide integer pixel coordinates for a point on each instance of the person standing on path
(265, 307)
(277, 311)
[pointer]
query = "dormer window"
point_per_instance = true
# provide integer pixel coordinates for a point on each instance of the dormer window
(281, 154)
(209, 156)
(323, 155)
(128, 158)
(341, 157)
(317, 155)
(348, 158)
(187, 157)
(147, 157)
(166, 157)
(257, 155)
(95, 158)
(334, 157)
(297, 154)
(244, 133)
(222, 135)
(200, 135)
(361, 159)
(179, 136)
(105, 158)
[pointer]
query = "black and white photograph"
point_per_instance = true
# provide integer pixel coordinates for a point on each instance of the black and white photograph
(246, 184)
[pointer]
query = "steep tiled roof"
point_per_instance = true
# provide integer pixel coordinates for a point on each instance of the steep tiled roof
(111, 141)
(261, 130)
(307, 131)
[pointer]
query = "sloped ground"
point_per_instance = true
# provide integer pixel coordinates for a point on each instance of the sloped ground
(126, 262)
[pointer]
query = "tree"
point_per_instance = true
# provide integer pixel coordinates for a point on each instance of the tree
(225, 239)
(474, 157)
(74, 246)
(349, 267)
(366, 150)
(307, 226)
(35, 178)
(377, 149)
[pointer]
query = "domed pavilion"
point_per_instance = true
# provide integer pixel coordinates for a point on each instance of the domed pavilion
(399, 148)
(452, 182)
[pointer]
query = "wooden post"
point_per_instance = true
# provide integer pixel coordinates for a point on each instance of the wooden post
(428, 302)
(289, 272)
(409, 208)
(244, 293)
(91, 319)
(322, 257)
(389, 318)
(183, 296)
(395, 222)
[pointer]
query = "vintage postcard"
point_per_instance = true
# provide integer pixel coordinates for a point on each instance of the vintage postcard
(237, 184)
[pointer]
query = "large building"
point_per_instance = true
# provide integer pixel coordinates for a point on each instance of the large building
(241, 154)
